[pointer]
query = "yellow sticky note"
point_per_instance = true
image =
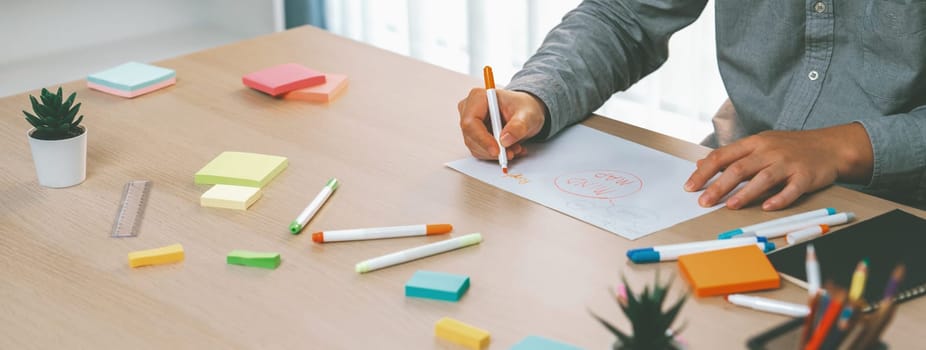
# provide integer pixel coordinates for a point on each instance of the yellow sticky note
(241, 169)
(157, 256)
(461, 333)
(230, 197)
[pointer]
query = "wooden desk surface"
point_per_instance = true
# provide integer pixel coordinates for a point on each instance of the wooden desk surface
(65, 282)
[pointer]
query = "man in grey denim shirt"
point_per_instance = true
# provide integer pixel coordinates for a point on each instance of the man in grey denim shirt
(841, 83)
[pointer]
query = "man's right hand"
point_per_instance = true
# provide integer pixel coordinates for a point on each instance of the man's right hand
(522, 117)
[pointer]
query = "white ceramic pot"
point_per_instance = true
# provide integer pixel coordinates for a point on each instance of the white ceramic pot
(60, 163)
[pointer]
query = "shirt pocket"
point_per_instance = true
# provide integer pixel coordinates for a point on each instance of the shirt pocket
(893, 42)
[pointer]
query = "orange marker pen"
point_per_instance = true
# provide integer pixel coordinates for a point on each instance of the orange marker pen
(496, 117)
(381, 232)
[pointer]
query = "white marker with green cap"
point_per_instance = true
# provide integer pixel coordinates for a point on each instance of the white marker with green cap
(418, 252)
(296, 226)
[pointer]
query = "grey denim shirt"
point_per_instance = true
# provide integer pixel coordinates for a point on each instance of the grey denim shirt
(786, 65)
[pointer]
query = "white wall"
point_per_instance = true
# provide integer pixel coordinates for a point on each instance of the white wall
(47, 42)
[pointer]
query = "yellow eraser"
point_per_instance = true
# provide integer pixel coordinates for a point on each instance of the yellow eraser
(157, 256)
(461, 333)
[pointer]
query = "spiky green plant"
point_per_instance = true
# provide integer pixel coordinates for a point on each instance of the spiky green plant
(54, 117)
(649, 322)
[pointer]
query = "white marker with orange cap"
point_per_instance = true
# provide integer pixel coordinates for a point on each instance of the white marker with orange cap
(381, 232)
(496, 117)
(807, 233)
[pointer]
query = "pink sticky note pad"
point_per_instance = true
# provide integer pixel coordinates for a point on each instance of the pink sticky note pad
(333, 86)
(132, 94)
(281, 79)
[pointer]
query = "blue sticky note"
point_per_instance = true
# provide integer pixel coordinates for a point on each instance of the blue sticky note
(131, 76)
(533, 342)
(436, 285)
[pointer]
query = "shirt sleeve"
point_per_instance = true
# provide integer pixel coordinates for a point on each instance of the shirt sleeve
(599, 48)
(898, 144)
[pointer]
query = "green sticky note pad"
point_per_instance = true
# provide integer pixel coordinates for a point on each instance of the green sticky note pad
(131, 76)
(436, 285)
(241, 169)
(533, 342)
(254, 259)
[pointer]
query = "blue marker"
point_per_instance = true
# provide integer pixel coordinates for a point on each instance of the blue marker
(643, 257)
(672, 251)
(780, 221)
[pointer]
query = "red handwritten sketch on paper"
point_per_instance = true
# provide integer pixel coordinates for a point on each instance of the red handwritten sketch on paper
(599, 184)
(519, 177)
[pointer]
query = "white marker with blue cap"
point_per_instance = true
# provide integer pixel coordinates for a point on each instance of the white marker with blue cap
(777, 222)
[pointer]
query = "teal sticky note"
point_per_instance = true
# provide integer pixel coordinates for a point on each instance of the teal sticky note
(131, 76)
(533, 342)
(436, 285)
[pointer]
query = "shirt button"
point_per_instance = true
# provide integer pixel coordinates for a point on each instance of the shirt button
(819, 7)
(813, 75)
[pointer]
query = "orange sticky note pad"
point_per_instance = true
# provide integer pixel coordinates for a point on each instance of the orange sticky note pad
(333, 86)
(726, 271)
(278, 80)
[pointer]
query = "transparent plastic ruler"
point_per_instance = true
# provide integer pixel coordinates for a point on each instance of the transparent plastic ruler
(131, 209)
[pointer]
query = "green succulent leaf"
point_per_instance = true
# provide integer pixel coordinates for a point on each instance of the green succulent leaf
(54, 115)
(648, 319)
(76, 123)
(624, 337)
(69, 117)
(36, 122)
(35, 105)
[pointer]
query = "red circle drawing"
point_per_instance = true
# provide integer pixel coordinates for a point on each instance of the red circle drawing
(599, 184)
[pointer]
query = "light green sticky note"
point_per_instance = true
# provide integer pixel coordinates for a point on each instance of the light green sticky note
(241, 169)
(255, 259)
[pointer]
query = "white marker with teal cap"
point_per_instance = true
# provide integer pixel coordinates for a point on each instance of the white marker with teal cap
(777, 222)
(296, 226)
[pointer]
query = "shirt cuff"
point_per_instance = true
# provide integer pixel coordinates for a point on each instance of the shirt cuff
(553, 120)
(899, 151)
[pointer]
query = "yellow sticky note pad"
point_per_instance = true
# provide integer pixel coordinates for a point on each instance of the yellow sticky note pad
(157, 256)
(230, 197)
(241, 169)
(461, 333)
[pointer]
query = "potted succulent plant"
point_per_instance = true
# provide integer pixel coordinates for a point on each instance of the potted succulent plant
(57, 140)
(648, 319)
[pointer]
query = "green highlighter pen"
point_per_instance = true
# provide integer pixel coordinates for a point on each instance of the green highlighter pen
(296, 226)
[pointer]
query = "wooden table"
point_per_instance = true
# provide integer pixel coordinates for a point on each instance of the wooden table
(65, 283)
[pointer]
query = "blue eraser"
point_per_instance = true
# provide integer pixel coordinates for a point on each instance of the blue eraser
(646, 256)
(634, 251)
(533, 342)
(436, 285)
(730, 234)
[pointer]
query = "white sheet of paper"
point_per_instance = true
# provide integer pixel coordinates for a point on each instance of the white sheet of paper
(617, 185)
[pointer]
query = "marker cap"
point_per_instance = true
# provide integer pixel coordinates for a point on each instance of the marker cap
(645, 256)
(295, 227)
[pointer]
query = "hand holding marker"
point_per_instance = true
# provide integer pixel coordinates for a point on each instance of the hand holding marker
(496, 117)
